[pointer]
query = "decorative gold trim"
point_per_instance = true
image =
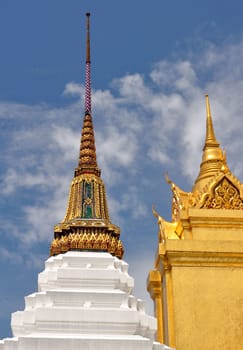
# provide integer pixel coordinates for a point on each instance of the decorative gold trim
(168, 230)
(87, 241)
(224, 195)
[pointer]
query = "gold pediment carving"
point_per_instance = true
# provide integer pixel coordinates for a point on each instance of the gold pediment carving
(224, 194)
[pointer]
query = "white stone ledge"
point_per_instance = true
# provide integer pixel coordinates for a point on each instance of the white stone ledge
(84, 343)
(85, 298)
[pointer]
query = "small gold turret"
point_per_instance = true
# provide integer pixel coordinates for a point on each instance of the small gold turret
(87, 225)
(213, 158)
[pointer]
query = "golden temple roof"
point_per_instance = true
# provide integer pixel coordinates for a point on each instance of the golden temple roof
(215, 188)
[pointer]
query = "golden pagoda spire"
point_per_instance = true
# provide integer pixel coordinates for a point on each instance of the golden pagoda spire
(87, 225)
(87, 156)
(210, 139)
(213, 158)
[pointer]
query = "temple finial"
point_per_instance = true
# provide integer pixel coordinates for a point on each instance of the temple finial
(210, 139)
(88, 68)
(213, 159)
(87, 157)
(88, 37)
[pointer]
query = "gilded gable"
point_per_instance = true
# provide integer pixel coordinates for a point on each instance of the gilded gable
(224, 195)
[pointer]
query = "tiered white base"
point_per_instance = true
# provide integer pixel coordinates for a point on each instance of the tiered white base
(84, 302)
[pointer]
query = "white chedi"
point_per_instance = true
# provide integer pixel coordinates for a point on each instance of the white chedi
(84, 302)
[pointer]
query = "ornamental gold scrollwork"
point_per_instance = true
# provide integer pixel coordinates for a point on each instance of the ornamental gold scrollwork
(225, 196)
(87, 241)
(88, 201)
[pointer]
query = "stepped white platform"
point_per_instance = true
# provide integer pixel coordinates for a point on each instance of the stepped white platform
(84, 302)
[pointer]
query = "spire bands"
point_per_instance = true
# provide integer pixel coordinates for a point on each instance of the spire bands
(87, 68)
(87, 102)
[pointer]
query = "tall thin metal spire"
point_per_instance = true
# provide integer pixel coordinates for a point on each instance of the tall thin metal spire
(88, 67)
(87, 157)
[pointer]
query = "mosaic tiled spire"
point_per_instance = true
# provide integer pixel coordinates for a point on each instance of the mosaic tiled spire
(87, 225)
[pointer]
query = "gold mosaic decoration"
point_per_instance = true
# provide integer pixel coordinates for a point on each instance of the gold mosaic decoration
(87, 241)
(225, 196)
(79, 198)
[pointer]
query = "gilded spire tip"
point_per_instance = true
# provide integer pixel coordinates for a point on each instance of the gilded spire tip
(212, 158)
(210, 139)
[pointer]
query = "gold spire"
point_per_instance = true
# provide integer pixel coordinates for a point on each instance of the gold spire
(210, 136)
(87, 225)
(213, 158)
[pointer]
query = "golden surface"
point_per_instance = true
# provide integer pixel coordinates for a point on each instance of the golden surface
(225, 196)
(155, 290)
(197, 280)
(87, 241)
(203, 293)
(213, 159)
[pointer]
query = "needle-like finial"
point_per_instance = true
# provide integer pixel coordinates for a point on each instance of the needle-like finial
(87, 157)
(210, 135)
(88, 68)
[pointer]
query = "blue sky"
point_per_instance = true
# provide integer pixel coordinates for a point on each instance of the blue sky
(152, 62)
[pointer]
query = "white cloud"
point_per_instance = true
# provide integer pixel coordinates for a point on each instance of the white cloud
(128, 202)
(133, 89)
(180, 75)
(73, 89)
